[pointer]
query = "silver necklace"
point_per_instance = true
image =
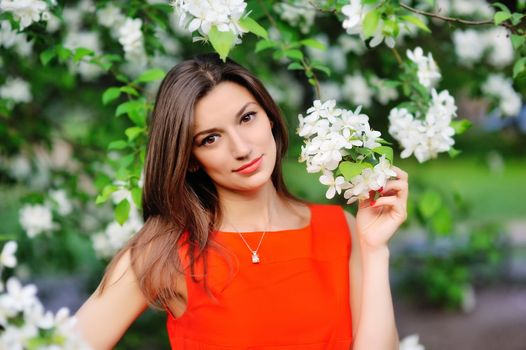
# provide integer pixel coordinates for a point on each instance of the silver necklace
(255, 256)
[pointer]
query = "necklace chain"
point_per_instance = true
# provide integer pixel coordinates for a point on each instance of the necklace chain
(255, 256)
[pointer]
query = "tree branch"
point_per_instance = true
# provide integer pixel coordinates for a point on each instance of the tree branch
(451, 19)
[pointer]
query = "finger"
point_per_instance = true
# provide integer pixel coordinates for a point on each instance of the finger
(395, 187)
(395, 203)
(401, 174)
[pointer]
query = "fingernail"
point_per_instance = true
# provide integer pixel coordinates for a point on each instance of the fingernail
(381, 189)
(373, 202)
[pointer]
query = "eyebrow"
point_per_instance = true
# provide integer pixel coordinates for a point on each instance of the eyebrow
(238, 114)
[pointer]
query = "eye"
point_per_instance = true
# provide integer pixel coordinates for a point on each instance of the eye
(208, 140)
(248, 117)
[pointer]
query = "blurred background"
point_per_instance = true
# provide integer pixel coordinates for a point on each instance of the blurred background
(77, 86)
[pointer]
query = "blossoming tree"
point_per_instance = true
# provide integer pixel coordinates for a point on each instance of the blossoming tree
(77, 82)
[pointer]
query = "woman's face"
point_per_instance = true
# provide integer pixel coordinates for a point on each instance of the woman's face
(233, 141)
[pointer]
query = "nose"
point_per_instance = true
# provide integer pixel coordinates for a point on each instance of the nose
(239, 145)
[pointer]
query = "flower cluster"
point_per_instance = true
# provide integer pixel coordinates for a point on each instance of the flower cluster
(427, 137)
(36, 219)
(470, 46)
(26, 11)
(202, 15)
(355, 13)
(428, 72)
(16, 90)
(10, 38)
(299, 13)
(501, 88)
(341, 139)
(115, 235)
(128, 31)
(23, 319)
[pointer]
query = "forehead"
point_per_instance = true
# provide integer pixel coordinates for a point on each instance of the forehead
(221, 103)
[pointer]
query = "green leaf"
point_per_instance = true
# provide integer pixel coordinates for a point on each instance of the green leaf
(323, 68)
(517, 40)
(110, 94)
(150, 75)
(294, 54)
(126, 160)
(252, 26)
(129, 90)
(63, 53)
(264, 44)
(417, 22)
(136, 194)
(47, 56)
(386, 151)
(295, 66)
(82, 52)
(315, 44)
(501, 6)
(122, 211)
(370, 23)
(461, 126)
(119, 144)
(222, 42)
(127, 107)
(350, 169)
(429, 203)
(453, 152)
(516, 18)
(442, 221)
(138, 117)
(133, 132)
(106, 193)
(518, 67)
(500, 17)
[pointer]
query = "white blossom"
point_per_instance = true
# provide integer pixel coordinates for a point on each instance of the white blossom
(36, 219)
(7, 257)
(501, 88)
(411, 342)
(25, 11)
(356, 90)
(110, 16)
(428, 72)
(335, 184)
(18, 297)
(17, 90)
(355, 13)
(384, 93)
(497, 41)
(330, 133)
(426, 137)
(299, 13)
(61, 200)
(132, 41)
(468, 46)
(202, 15)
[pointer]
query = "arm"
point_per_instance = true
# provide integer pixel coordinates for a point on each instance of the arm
(374, 325)
(103, 319)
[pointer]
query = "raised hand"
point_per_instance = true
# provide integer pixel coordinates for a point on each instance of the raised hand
(378, 220)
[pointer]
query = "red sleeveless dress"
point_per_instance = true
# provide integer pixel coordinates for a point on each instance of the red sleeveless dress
(296, 298)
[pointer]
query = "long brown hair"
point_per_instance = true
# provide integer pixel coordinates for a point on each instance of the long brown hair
(181, 207)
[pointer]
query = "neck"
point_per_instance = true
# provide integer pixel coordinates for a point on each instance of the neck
(250, 211)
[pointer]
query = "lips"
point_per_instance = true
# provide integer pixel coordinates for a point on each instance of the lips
(248, 165)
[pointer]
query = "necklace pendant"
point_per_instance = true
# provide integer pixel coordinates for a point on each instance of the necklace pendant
(255, 258)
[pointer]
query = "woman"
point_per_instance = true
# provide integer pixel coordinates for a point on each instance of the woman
(235, 260)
